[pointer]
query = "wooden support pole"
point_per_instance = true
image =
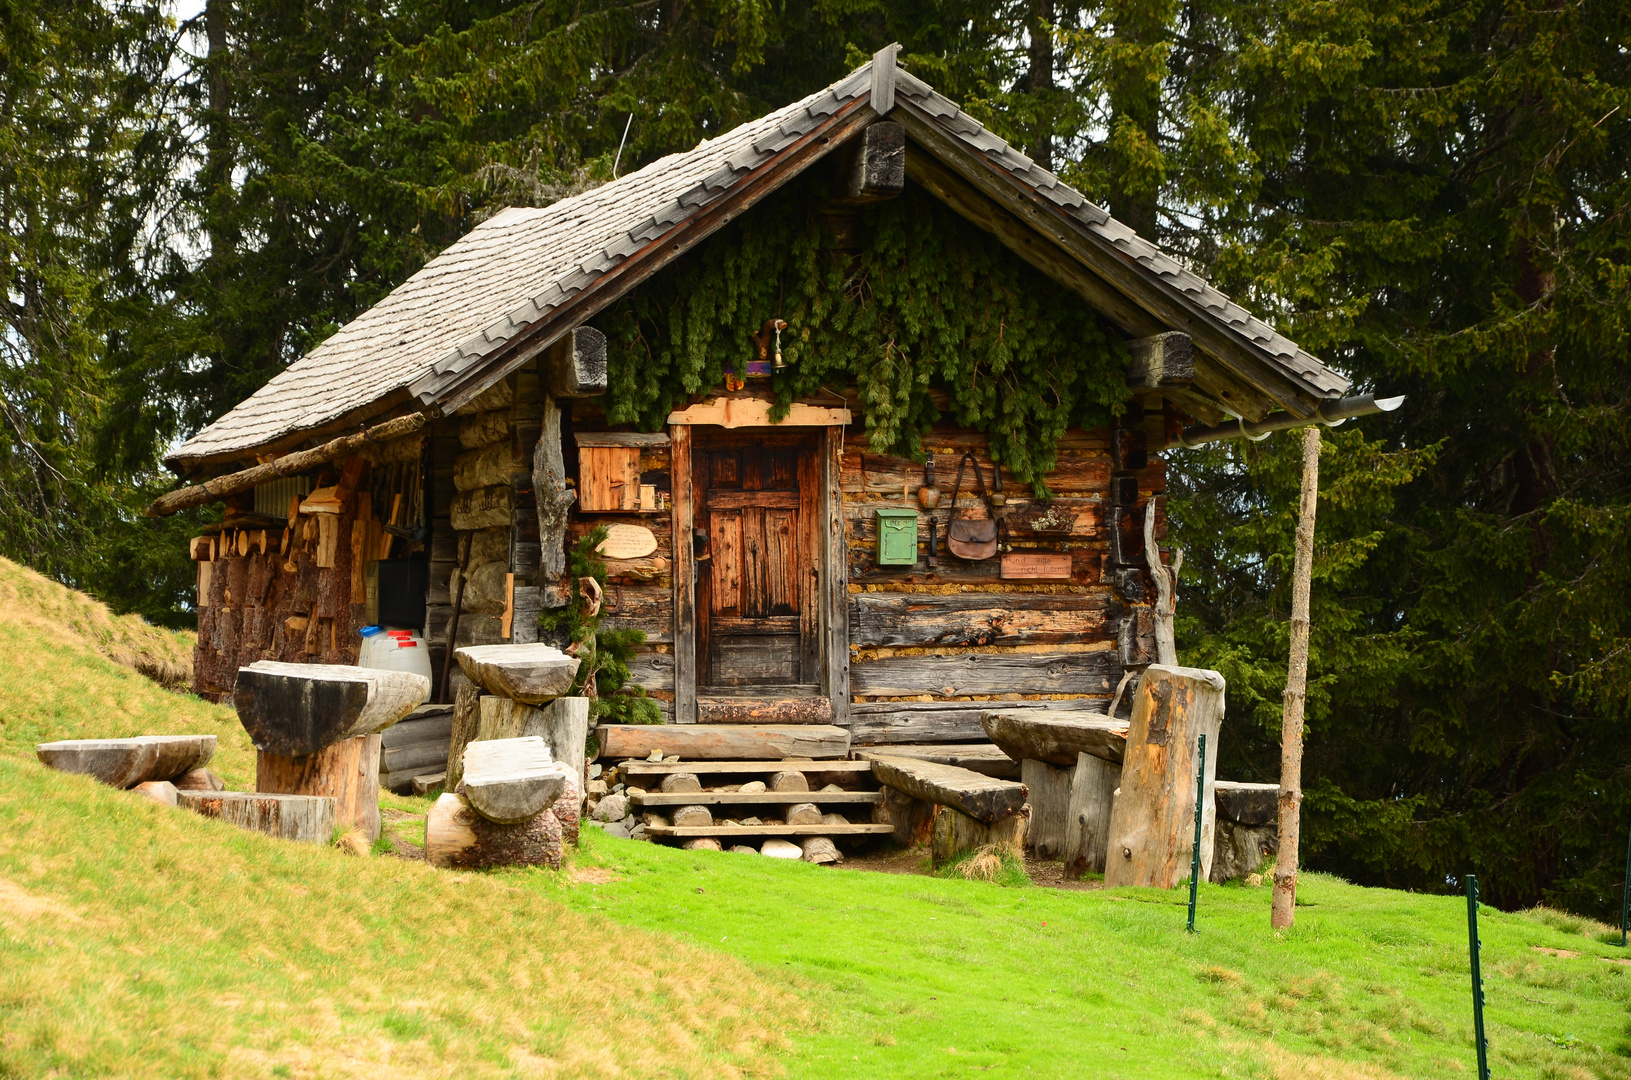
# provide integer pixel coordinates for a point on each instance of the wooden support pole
(1283, 910)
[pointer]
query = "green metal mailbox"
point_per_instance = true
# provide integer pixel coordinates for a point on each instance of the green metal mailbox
(897, 536)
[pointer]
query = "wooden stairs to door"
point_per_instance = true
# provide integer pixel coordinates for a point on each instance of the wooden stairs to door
(822, 795)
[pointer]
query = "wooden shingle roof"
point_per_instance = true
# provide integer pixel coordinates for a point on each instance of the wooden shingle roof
(488, 302)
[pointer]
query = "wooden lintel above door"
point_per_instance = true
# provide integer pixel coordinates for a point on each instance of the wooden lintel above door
(755, 412)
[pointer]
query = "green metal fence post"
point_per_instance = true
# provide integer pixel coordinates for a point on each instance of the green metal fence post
(1195, 855)
(1477, 979)
(1625, 893)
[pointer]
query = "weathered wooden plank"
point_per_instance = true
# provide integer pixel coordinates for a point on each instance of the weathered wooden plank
(1056, 737)
(887, 722)
(635, 769)
(683, 680)
(655, 671)
(124, 763)
(1077, 472)
(834, 579)
(983, 758)
(298, 709)
(308, 818)
(531, 673)
(982, 798)
(764, 710)
(987, 673)
(930, 619)
(723, 741)
(749, 798)
(508, 781)
(1086, 566)
(1038, 519)
(621, 438)
(1049, 793)
(681, 832)
(1093, 785)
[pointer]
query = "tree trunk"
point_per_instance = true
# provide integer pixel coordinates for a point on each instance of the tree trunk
(954, 832)
(1283, 912)
(347, 771)
(1087, 818)
(1039, 81)
(458, 838)
(1049, 788)
(1152, 825)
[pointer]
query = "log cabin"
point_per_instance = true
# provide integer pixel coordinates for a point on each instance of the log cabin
(779, 528)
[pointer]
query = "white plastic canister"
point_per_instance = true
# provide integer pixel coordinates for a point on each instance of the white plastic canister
(394, 650)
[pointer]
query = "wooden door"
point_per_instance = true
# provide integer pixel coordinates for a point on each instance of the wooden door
(758, 610)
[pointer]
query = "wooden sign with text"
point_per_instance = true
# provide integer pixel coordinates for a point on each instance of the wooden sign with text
(1035, 566)
(627, 542)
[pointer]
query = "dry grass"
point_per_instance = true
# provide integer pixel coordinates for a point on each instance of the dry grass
(139, 940)
(60, 617)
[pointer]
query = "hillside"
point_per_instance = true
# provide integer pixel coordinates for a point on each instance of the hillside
(142, 941)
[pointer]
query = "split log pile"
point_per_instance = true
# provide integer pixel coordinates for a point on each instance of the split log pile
(291, 584)
(415, 749)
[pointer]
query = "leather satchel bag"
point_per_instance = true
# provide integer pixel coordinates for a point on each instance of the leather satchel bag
(973, 539)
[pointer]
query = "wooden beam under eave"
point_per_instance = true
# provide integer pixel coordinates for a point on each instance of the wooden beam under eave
(1165, 307)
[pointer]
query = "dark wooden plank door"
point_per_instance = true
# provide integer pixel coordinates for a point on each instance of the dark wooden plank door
(758, 617)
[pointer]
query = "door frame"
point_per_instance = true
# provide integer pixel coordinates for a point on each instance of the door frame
(833, 568)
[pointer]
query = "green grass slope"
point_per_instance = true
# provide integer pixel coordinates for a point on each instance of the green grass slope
(924, 977)
(137, 940)
(141, 941)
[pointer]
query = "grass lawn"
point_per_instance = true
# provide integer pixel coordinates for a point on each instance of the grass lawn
(916, 976)
(137, 940)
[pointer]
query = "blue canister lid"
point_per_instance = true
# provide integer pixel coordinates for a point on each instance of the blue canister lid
(370, 631)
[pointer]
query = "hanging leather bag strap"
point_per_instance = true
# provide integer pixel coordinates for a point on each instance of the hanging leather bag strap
(970, 538)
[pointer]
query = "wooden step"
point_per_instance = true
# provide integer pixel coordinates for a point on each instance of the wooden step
(982, 798)
(984, 758)
(663, 768)
(693, 832)
(723, 742)
(764, 710)
(751, 798)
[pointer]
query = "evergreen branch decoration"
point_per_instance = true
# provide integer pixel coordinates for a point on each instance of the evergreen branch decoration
(928, 302)
(603, 655)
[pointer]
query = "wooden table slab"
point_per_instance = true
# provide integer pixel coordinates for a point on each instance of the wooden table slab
(1056, 737)
(984, 758)
(982, 798)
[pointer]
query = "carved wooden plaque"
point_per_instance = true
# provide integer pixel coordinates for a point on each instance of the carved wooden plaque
(627, 542)
(1034, 566)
